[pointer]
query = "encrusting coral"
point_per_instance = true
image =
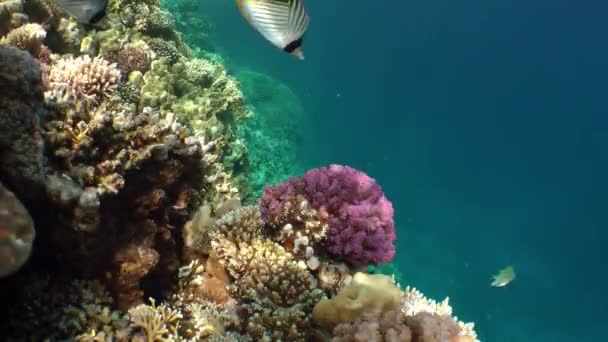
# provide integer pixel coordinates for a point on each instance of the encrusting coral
(21, 105)
(373, 308)
(365, 293)
(124, 150)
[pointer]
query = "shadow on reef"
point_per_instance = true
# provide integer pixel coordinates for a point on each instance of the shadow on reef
(123, 176)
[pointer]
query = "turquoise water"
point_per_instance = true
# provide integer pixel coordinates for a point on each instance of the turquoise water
(485, 123)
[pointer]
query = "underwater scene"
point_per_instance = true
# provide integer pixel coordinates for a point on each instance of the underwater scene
(303, 170)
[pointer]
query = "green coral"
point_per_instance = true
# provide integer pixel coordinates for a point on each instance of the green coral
(164, 48)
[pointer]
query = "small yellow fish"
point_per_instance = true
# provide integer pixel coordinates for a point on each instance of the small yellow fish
(282, 22)
(504, 277)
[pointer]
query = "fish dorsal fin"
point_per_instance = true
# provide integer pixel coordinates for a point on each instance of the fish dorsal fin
(280, 21)
(83, 10)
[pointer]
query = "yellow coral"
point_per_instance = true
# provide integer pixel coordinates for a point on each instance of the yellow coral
(156, 322)
(365, 292)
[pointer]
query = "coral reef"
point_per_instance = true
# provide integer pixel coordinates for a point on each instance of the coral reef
(21, 105)
(11, 15)
(81, 83)
(193, 24)
(360, 218)
(28, 37)
(274, 132)
(373, 308)
(276, 292)
(131, 158)
(364, 293)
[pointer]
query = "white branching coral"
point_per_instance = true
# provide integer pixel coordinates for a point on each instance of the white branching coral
(419, 307)
(81, 79)
(155, 323)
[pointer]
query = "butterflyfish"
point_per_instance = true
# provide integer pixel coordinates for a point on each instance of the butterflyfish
(84, 11)
(282, 22)
(504, 277)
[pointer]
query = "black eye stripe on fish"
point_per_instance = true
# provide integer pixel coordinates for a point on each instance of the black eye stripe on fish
(293, 45)
(282, 22)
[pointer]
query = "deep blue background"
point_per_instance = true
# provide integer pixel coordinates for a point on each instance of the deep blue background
(486, 123)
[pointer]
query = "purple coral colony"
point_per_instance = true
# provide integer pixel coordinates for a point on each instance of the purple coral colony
(122, 202)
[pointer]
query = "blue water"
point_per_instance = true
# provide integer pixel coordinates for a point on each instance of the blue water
(486, 124)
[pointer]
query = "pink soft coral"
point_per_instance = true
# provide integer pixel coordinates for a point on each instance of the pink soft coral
(360, 217)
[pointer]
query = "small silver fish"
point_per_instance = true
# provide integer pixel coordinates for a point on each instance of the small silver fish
(84, 11)
(282, 22)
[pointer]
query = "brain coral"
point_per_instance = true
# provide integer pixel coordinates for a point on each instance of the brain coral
(361, 226)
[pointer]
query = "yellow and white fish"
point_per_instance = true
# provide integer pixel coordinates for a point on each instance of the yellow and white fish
(282, 22)
(504, 277)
